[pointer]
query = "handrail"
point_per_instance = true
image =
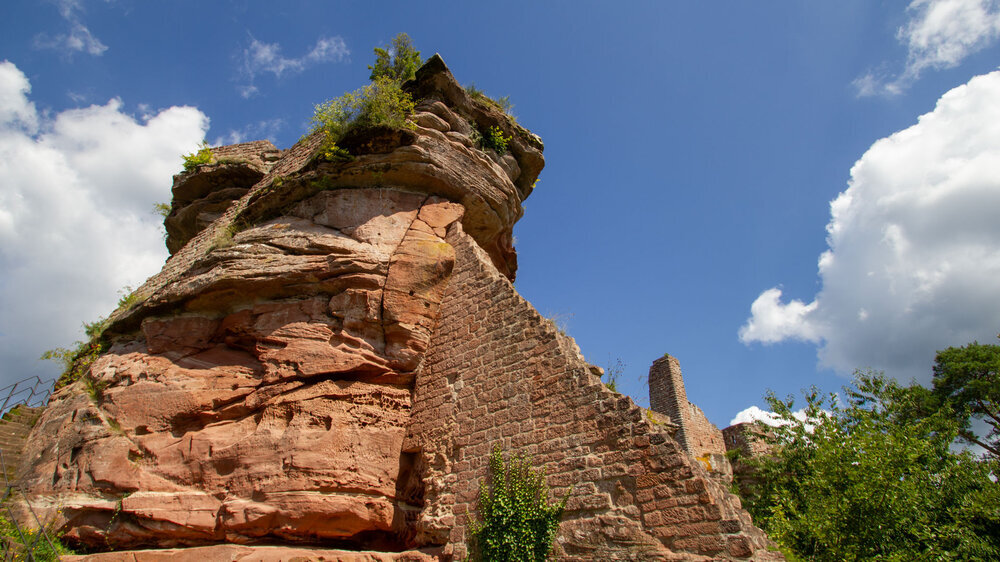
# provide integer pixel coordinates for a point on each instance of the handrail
(9, 545)
(32, 392)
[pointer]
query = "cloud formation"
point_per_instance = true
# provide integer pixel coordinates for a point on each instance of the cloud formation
(914, 247)
(938, 34)
(75, 213)
(79, 38)
(263, 129)
(262, 57)
(753, 413)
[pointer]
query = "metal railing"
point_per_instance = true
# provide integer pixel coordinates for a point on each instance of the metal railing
(33, 392)
(19, 543)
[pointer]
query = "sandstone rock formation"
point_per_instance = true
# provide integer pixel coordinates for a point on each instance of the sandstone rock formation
(328, 364)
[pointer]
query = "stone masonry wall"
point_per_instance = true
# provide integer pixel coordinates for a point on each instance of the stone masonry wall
(698, 436)
(667, 395)
(748, 438)
(498, 372)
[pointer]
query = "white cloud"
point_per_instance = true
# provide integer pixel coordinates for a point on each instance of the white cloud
(75, 213)
(939, 34)
(771, 321)
(264, 129)
(753, 413)
(79, 37)
(914, 247)
(262, 57)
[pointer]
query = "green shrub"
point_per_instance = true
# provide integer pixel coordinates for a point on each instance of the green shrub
(398, 62)
(195, 159)
(381, 103)
(127, 298)
(77, 361)
(495, 139)
(515, 520)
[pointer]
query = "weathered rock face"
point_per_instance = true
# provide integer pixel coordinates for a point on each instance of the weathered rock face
(201, 196)
(274, 405)
(330, 361)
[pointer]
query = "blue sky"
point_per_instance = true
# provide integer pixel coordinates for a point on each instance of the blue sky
(693, 151)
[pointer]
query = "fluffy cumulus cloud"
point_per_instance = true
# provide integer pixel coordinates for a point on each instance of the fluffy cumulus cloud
(753, 414)
(77, 39)
(76, 221)
(914, 247)
(938, 34)
(260, 58)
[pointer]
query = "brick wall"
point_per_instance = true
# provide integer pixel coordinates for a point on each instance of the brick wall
(498, 372)
(698, 436)
(747, 437)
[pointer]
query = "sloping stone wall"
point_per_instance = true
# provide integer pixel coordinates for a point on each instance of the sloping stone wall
(498, 372)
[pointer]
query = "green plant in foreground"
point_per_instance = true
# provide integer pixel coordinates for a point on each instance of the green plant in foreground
(195, 159)
(15, 544)
(515, 520)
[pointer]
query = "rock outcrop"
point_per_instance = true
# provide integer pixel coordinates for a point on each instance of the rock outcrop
(327, 364)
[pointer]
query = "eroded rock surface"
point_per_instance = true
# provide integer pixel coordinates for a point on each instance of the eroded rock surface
(200, 196)
(272, 402)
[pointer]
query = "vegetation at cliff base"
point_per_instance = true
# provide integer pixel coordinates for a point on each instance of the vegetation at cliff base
(515, 520)
(21, 544)
(869, 474)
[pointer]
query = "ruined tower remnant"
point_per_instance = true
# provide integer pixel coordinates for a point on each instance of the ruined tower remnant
(323, 370)
(695, 434)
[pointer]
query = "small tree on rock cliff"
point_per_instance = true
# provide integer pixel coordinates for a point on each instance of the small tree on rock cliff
(516, 521)
(381, 103)
(398, 62)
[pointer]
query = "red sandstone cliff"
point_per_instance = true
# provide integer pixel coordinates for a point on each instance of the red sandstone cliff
(328, 362)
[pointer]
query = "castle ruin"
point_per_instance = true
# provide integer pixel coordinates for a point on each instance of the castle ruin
(324, 364)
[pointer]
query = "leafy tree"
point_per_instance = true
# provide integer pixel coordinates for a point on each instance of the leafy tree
(967, 379)
(516, 522)
(862, 478)
(398, 62)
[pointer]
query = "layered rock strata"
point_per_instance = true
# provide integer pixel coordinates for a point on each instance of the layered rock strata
(328, 364)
